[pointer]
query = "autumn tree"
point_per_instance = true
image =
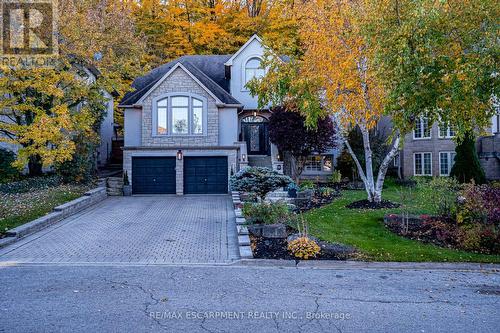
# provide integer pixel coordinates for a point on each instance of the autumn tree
(437, 59)
(103, 33)
(288, 131)
(43, 110)
(334, 75)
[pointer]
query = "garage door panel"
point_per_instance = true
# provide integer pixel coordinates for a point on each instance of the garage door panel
(205, 175)
(153, 175)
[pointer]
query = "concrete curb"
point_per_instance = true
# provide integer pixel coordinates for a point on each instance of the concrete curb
(349, 264)
(243, 237)
(59, 213)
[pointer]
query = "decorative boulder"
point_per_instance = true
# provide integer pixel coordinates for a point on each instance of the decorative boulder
(337, 251)
(277, 230)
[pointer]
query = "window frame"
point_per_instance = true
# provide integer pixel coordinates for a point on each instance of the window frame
(449, 160)
(244, 80)
(422, 155)
(191, 108)
(422, 129)
(448, 132)
(321, 163)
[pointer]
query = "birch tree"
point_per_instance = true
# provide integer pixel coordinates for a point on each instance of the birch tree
(334, 75)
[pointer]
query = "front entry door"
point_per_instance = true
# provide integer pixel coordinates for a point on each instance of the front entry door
(256, 136)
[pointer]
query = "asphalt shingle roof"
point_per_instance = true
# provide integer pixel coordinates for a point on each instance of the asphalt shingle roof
(208, 69)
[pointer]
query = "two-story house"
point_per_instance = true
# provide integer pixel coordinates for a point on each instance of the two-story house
(189, 124)
(429, 150)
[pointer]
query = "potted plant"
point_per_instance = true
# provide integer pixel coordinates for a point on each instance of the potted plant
(127, 188)
(292, 190)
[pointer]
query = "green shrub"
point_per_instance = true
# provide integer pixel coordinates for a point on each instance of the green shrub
(441, 192)
(7, 171)
(266, 212)
(307, 185)
(336, 177)
(258, 180)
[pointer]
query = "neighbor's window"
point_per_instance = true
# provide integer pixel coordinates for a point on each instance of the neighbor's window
(181, 114)
(253, 69)
(422, 164)
(446, 161)
(319, 163)
(422, 129)
(446, 131)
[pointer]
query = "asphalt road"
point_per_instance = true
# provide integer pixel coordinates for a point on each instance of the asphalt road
(135, 298)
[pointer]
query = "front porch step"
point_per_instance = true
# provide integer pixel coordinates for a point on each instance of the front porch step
(260, 161)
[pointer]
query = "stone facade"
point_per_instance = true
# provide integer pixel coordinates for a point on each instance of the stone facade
(179, 82)
(433, 145)
(488, 148)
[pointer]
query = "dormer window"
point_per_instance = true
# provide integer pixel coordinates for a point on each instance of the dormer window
(180, 115)
(253, 69)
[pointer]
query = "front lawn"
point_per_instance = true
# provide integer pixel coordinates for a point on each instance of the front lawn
(20, 208)
(365, 230)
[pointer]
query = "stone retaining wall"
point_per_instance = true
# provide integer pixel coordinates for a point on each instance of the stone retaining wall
(243, 238)
(59, 213)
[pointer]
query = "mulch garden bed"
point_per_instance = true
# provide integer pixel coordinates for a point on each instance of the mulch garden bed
(276, 248)
(317, 201)
(365, 204)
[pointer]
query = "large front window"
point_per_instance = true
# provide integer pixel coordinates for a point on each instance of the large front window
(319, 164)
(253, 69)
(180, 115)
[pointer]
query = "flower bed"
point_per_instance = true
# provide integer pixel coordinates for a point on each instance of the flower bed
(472, 223)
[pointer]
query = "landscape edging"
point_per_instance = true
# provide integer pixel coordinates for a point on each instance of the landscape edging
(243, 238)
(60, 212)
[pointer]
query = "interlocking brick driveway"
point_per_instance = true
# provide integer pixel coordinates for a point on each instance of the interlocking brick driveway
(139, 229)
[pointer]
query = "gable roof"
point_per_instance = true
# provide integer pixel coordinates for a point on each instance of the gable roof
(209, 70)
(229, 62)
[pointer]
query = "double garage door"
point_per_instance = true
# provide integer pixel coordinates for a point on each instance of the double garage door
(202, 175)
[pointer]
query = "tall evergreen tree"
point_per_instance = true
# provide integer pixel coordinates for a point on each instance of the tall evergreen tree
(467, 166)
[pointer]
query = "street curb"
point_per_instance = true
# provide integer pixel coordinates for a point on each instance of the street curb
(59, 213)
(349, 264)
(243, 238)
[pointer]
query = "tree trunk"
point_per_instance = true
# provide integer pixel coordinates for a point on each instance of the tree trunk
(35, 166)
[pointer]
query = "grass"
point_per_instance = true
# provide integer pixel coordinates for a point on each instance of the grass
(365, 230)
(19, 208)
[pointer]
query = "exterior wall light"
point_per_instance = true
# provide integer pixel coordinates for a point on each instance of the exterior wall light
(243, 157)
(179, 155)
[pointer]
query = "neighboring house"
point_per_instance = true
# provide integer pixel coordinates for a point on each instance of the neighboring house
(429, 150)
(191, 123)
(89, 74)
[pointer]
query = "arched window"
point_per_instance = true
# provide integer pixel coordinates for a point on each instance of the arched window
(180, 115)
(254, 119)
(253, 69)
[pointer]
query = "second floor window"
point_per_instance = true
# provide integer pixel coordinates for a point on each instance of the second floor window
(422, 129)
(180, 115)
(446, 131)
(253, 69)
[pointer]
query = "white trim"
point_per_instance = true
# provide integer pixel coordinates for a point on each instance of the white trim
(190, 96)
(254, 37)
(429, 126)
(244, 72)
(447, 136)
(164, 77)
(449, 161)
(423, 174)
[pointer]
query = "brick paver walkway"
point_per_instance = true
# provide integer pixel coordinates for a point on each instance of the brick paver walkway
(139, 229)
